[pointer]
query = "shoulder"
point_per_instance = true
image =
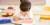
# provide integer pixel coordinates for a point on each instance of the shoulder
(17, 13)
(30, 14)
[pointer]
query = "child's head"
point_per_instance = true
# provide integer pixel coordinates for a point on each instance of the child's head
(25, 6)
(23, 1)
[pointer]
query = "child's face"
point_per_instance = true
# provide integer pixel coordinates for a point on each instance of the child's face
(24, 13)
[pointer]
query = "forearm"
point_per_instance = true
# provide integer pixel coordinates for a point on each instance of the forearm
(17, 20)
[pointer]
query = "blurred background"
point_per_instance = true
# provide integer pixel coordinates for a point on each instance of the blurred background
(40, 9)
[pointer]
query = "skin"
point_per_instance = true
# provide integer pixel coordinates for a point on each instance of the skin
(18, 20)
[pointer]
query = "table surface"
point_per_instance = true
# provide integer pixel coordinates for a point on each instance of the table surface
(47, 22)
(7, 24)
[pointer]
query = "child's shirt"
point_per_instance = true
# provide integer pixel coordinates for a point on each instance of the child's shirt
(29, 16)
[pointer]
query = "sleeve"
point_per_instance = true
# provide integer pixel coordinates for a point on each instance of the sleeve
(16, 14)
(30, 14)
(32, 17)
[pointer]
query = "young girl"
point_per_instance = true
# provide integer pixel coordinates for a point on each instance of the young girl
(25, 15)
(24, 1)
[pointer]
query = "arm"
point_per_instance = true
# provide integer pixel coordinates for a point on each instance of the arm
(29, 18)
(17, 20)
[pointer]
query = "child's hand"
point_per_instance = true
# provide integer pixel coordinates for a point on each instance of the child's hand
(15, 19)
(28, 21)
